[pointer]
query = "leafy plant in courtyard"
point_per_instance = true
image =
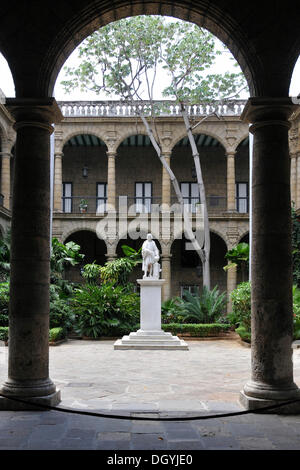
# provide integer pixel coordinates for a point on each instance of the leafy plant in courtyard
(5, 256)
(4, 303)
(296, 246)
(296, 311)
(238, 257)
(123, 59)
(99, 310)
(61, 311)
(241, 304)
(118, 270)
(91, 273)
(204, 308)
(172, 310)
(62, 257)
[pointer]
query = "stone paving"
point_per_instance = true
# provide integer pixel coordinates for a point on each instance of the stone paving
(204, 380)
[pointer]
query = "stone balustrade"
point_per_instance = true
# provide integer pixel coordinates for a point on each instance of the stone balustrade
(161, 108)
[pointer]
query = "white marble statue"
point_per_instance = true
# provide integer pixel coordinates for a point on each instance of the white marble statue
(150, 254)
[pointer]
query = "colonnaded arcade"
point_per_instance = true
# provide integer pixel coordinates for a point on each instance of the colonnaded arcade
(97, 152)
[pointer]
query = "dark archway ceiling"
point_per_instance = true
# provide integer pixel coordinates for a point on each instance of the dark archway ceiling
(37, 37)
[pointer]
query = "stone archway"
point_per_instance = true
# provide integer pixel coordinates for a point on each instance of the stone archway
(35, 65)
(92, 247)
(186, 267)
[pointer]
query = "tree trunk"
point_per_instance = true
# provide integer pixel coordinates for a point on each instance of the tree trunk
(205, 264)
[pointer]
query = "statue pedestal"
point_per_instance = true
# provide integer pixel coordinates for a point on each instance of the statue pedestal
(150, 335)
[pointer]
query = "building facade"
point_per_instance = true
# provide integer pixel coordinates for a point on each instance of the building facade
(110, 188)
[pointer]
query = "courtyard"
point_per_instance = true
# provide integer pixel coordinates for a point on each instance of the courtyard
(205, 380)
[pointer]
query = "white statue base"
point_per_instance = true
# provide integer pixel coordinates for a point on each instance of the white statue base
(150, 335)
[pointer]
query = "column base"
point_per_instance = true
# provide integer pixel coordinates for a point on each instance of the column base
(251, 403)
(49, 400)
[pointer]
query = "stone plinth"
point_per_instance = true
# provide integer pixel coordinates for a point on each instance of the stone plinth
(150, 335)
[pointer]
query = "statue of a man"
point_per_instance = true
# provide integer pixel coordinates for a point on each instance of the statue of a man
(150, 256)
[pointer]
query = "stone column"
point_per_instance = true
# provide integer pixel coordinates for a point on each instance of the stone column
(166, 274)
(28, 361)
(231, 285)
(294, 177)
(5, 178)
(166, 183)
(271, 258)
(231, 203)
(57, 204)
(111, 180)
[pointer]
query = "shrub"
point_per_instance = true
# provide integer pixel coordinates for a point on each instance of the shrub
(244, 334)
(4, 302)
(196, 329)
(101, 309)
(172, 311)
(296, 312)
(204, 308)
(3, 333)
(117, 271)
(61, 315)
(241, 305)
(91, 273)
(56, 334)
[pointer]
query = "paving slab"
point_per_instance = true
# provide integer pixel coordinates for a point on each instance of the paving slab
(203, 381)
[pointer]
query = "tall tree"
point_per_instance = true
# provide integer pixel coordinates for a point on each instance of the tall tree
(125, 59)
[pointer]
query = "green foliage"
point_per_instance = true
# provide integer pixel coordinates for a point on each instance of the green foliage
(238, 257)
(204, 308)
(99, 309)
(5, 256)
(123, 58)
(296, 312)
(61, 312)
(4, 333)
(244, 334)
(117, 271)
(241, 304)
(56, 334)
(196, 329)
(4, 303)
(91, 273)
(172, 311)
(63, 256)
(296, 247)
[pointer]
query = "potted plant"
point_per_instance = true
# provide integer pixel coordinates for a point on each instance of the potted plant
(83, 205)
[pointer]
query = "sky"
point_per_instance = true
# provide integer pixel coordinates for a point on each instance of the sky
(223, 63)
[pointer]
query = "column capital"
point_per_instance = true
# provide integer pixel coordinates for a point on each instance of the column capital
(34, 112)
(6, 154)
(111, 153)
(231, 153)
(268, 110)
(166, 257)
(58, 154)
(166, 153)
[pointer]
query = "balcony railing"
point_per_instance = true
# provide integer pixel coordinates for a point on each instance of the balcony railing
(162, 108)
(136, 205)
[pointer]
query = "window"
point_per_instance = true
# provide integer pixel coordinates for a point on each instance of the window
(67, 197)
(190, 194)
(191, 288)
(143, 197)
(101, 198)
(242, 197)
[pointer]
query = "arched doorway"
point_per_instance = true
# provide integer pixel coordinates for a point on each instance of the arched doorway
(84, 175)
(186, 268)
(93, 248)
